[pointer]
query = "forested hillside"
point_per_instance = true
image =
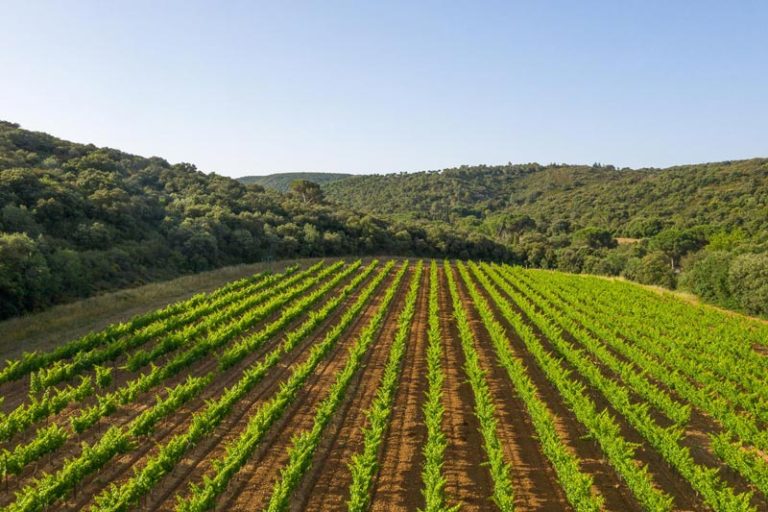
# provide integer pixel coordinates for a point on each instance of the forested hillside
(630, 203)
(701, 227)
(282, 181)
(76, 219)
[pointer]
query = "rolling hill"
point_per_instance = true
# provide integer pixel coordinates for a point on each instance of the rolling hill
(700, 227)
(624, 201)
(76, 219)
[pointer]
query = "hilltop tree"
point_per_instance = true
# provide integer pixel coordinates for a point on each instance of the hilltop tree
(308, 191)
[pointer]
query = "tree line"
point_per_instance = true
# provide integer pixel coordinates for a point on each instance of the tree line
(76, 219)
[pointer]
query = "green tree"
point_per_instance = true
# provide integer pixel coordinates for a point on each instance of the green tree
(707, 275)
(18, 219)
(511, 227)
(726, 240)
(307, 191)
(24, 275)
(594, 238)
(68, 275)
(748, 278)
(571, 259)
(650, 269)
(676, 243)
(312, 245)
(643, 227)
(611, 264)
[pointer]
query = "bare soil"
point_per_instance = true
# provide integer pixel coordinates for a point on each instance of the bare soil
(398, 482)
(468, 479)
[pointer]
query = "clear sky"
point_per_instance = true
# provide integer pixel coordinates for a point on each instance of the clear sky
(378, 86)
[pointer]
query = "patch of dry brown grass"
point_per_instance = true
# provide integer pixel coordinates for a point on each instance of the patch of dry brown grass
(65, 322)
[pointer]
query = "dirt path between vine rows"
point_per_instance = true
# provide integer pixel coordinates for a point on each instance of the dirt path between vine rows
(255, 481)
(398, 482)
(533, 477)
(467, 478)
(326, 484)
(123, 466)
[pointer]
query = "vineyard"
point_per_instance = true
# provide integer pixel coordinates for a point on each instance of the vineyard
(396, 385)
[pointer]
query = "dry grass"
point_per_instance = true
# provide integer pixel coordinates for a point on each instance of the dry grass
(41, 331)
(627, 241)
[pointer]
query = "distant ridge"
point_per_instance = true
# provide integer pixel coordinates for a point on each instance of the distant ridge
(630, 203)
(282, 181)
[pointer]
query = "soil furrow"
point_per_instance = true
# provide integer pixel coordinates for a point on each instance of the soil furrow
(253, 484)
(398, 482)
(122, 467)
(697, 430)
(604, 475)
(197, 462)
(534, 479)
(326, 485)
(467, 478)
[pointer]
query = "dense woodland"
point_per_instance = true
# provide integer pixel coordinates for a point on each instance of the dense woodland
(702, 228)
(282, 181)
(76, 219)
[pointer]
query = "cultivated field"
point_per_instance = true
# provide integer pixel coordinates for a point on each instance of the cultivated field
(397, 385)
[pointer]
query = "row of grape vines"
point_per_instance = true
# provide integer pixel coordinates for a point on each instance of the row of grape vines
(633, 398)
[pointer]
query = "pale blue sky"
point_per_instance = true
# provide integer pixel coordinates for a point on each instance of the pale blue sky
(257, 87)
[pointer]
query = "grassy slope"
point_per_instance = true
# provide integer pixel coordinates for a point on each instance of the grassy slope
(41, 331)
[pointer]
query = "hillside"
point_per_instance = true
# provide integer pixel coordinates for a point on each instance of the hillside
(702, 227)
(76, 219)
(726, 194)
(282, 181)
